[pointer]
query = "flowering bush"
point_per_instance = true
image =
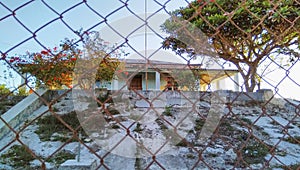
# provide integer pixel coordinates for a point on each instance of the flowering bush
(52, 67)
(56, 67)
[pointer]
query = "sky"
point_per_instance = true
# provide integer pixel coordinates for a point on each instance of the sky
(16, 39)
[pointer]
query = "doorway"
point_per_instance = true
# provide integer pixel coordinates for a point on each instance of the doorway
(136, 83)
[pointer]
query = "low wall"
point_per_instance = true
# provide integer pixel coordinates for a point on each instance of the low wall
(224, 96)
(19, 113)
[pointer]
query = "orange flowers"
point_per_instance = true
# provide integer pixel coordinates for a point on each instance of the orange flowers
(52, 68)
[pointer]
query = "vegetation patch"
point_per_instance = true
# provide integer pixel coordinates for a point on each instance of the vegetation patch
(291, 167)
(49, 125)
(254, 152)
(227, 125)
(244, 121)
(293, 140)
(161, 124)
(168, 111)
(199, 123)
(104, 97)
(17, 157)
(61, 157)
(190, 156)
(115, 126)
(138, 128)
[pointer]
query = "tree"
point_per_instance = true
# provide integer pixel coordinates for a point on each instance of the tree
(52, 67)
(99, 62)
(241, 32)
(67, 64)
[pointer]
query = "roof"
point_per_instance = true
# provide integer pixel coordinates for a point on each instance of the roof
(206, 75)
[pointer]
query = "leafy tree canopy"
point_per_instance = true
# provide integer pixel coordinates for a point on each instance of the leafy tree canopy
(241, 32)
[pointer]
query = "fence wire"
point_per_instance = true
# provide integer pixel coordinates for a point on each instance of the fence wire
(139, 112)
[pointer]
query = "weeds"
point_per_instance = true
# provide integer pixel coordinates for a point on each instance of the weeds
(49, 125)
(138, 128)
(254, 152)
(168, 111)
(17, 157)
(61, 157)
(293, 140)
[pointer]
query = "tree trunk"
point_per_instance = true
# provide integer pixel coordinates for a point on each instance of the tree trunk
(248, 77)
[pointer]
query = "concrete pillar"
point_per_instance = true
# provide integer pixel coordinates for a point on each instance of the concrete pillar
(157, 81)
(218, 85)
(236, 82)
(23, 78)
(115, 85)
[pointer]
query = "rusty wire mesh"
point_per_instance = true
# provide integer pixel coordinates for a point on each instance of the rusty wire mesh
(241, 134)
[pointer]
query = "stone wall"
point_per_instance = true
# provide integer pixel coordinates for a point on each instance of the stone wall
(175, 97)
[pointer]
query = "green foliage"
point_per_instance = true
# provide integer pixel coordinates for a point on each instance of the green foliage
(168, 111)
(199, 123)
(241, 32)
(107, 69)
(22, 92)
(61, 157)
(17, 156)
(48, 125)
(4, 90)
(186, 79)
(56, 67)
(138, 128)
(254, 152)
(293, 140)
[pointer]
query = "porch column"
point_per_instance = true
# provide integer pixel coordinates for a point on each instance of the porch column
(23, 78)
(236, 82)
(115, 85)
(157, 80)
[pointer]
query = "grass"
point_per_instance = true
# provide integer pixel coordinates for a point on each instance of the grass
(291, 167)
(168, 111)
(254, 152)
(138, 128)
(293, 140)
(48, 125)
(6, 104)
(190, 156)
(17, 157)
(55, 109)
(199, 123)
(246, 121)
(161, 124)
(61, 157)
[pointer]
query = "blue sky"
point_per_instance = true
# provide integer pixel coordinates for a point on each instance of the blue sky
(35, 15)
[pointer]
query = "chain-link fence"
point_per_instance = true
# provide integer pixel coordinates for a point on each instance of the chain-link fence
(150, 84)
